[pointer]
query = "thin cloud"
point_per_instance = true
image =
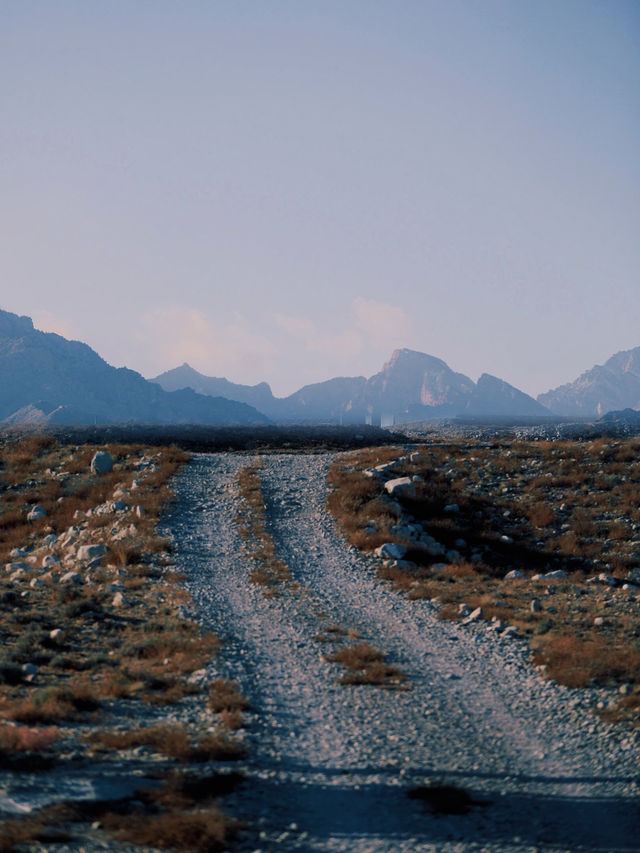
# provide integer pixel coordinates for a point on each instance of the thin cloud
(228, 346)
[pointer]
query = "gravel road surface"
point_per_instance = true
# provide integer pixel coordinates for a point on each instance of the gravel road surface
(330, 766)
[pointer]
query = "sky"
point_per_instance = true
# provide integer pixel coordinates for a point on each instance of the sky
(289, 190)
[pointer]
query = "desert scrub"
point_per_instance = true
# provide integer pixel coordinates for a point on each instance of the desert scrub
(270, 571)
(366, 664)
(531, 506)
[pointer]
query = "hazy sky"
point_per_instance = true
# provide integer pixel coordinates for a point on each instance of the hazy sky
(290, 189)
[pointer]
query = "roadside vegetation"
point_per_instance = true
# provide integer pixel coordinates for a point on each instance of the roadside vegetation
(270, 571)
(94, 635)
(542, 539)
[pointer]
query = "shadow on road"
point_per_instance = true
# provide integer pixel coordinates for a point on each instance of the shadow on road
(359, 809)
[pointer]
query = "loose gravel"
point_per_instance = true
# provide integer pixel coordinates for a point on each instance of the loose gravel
(329, 766)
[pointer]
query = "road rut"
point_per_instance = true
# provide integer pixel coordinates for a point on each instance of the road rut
(330, 767)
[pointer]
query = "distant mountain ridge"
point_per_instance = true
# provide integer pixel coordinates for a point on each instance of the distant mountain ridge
(411, 386)
(613, 386)
(45, 378)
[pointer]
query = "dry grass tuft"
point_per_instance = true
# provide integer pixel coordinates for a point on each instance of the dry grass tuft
(365, 664)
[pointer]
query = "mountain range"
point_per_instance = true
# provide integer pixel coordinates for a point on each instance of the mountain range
(613, 386)
(411, 386)
(45, 378)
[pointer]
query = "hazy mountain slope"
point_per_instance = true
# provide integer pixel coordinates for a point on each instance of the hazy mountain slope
(338, 399)
(53, 379)
(493, 396)
(413, 378)
(611, 386)
(259, 396)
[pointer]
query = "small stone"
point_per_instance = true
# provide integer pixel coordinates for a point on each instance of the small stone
(473, 616)
(598, 621)
(90, 552)
(391, 551)
(118, 600)
(71, 577)
(36, 512)
(514, 574)
(536, 606)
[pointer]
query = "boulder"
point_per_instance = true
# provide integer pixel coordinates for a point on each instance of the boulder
(391, 551)
(401, 487)
(71, 577)
(102, 462)
(513, 575)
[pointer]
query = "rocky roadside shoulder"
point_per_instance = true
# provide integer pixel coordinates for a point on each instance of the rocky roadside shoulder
(332, 767)
(105, 733)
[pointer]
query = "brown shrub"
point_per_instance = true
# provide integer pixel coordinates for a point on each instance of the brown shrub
(224, 695)
(201, 831)
(541, 515)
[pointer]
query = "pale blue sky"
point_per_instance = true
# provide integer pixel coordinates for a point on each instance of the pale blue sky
(289, 190)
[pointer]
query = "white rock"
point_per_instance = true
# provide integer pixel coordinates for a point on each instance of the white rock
(598, 621)
(56, 633)
(140, 511)
(401, 487)
(102, 462)
(118, 600)
(71, 577)
(415, 457)
(391, 551)
(50, 561)
(536, 607)
(19, 552)
(513, 575)
(90, 552)
(606, 579)
(473, 616)
(36, 582)
(36, 512)
(13, 567)
(558, 573)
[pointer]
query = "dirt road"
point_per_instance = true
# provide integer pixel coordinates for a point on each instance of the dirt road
(330, 766)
